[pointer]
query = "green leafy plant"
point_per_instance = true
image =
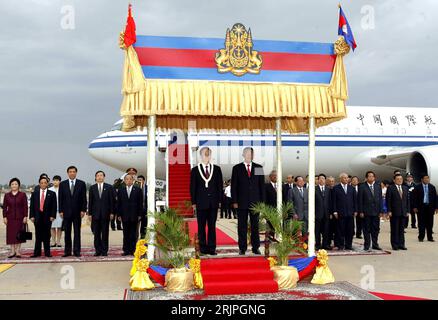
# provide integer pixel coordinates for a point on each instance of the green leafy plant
(171, 237)
(287, 231)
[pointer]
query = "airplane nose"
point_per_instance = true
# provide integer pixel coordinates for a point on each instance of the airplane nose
(95, 151)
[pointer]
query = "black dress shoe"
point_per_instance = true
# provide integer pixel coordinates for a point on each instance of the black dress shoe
(35, 256)
(241, 253)
(12, 256)
(213, 253)
(377, 248)
(403, 248)
(414, 227)
(431, 240)
(48, 255)
(114, 229)
(394, 248)
(77, 255)
(348, 248)
(124, 254)
(65, 255)
(366, 248)
(104, 254)
(257, 252)
(359, 237)
(421, 240)
(97, 254)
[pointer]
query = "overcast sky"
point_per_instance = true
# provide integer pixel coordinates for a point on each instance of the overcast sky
(61, 88)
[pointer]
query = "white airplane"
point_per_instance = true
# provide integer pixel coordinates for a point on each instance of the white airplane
(382, 139)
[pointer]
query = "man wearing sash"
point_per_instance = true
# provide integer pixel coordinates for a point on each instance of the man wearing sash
(206, 193)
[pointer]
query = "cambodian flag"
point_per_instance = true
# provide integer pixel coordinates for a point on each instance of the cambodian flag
(345, 30)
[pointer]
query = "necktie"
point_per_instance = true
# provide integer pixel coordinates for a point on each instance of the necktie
(301, 192)
(322, 190)
(249, 170)
(72, 187)
(372, 189)
(400, 192)
(345, 189)
(426, 194)
(100, 190)
(207, 173)
(275, 186)
(129, 192)
(42, 201)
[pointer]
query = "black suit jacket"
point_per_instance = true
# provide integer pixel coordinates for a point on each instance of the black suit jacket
(368, 204)
(418, 196)
(246, 191)
(396, 205)
(130, 209)
(101, 207)
(323, 203)
(286, 189)
(344, 204)
(72, 206)
(210, 197)
(271, 195)
(50, 205)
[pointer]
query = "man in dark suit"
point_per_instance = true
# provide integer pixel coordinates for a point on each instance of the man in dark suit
(355, 183)
(323, 201)
(206, 190)
(299, 197)
(397, 199)
(247, 188)
(344, 210)
(411, 186)
(271, 189)
(72, 208)
(129, 211)
(144, 218)
(425, 206)
(287, 186)
(370, 209)
(102, 200)
(43, 207)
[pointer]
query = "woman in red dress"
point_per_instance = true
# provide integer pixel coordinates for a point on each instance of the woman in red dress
(15, 211)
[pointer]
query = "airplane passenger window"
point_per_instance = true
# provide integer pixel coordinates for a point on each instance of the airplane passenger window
(346, 130)
(357, 130)
(330, 130)
(395, 130)
(338, 130)
(403, 131)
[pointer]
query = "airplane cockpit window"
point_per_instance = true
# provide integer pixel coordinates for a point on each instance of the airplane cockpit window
(117, 127)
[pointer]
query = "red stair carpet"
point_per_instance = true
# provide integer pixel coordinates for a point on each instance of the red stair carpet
(179, 179)
(222, 239)
(388, 296)
(237, 276)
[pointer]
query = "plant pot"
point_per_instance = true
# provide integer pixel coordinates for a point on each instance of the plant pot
(179, 280)
(286, 277)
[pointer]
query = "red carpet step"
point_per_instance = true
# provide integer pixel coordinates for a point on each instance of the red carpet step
(222, 239)
(237, 276)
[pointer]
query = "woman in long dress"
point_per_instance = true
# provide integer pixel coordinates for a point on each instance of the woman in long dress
(57, 223)
(15, 212)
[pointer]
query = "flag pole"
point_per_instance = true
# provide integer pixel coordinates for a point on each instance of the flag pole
(279, 165)
(311, 200)
(151, 182)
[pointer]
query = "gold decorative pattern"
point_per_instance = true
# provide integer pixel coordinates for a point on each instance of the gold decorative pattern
(238, 56)
(195, 267)
(341, 47)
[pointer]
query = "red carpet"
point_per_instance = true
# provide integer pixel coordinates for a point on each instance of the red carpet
(179, 179)
(387, 296)
(222, 239)
(237, 276)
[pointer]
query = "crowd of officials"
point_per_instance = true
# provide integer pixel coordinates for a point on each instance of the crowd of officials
(353, 207)
(61, 207)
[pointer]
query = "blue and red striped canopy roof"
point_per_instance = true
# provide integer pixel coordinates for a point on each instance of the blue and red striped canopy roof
(185, 58)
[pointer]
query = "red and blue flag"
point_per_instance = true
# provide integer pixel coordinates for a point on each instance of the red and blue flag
(345, 30)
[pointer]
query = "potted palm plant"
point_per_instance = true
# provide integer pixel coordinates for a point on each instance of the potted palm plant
(172, 239)
(287, 240)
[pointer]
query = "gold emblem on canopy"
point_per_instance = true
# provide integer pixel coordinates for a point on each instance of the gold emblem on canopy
(238, 56)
